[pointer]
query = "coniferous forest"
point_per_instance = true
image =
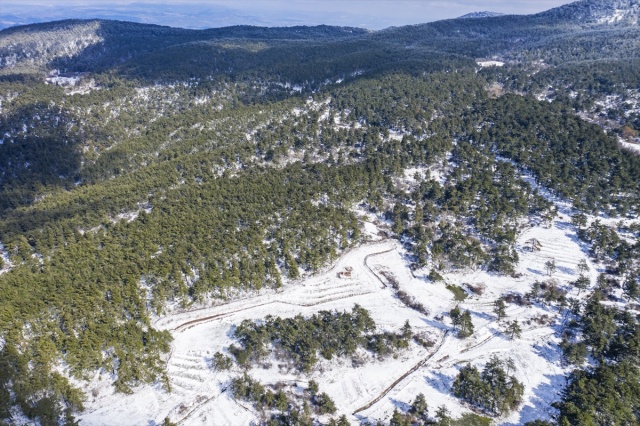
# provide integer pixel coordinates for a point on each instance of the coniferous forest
(147, 171)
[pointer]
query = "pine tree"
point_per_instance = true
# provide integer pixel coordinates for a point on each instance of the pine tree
(466, 325)
(455, 315)
(631, 288)
(406, 331)
(514, 330)
(583, 267)
(313, 387)
(550, 266)
(579, 220)
(419, 408)
(292, 267)
(443, 417)
(534, 244)
(342, 421)
(499, 308)
(398, 419)
(281, 402)
(581, 283)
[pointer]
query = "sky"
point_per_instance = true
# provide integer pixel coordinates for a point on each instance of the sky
(372, 14)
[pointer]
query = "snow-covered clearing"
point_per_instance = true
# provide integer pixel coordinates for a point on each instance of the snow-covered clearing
(634, 147)
(199, 393)
(485, 64)
(6, 261)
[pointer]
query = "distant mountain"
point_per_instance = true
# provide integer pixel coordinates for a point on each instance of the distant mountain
(610, 12)
(475, 15)
(195, 14)
(104, 43)
(98, 45)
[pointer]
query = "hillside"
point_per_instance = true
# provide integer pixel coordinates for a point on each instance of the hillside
(432, 224)
(475, 15)
(597, 12)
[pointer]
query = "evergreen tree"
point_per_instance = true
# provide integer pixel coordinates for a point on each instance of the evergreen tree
(514, 330)
(443, 417)
(399, 419)
(419, 408)
(499, 308)
(342, 421)
(550, 266)
(466, 325)
(406, 331)
(168, 422)
(583, 267)
(631, 289)
(456, 316)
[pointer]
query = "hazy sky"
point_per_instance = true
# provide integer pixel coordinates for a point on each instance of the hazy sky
(373, 14)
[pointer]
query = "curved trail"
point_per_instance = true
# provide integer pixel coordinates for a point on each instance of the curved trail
(196, 408)
(322, 271)
(477, 345)
(372, 276)
(404, 376)
(188, 324)
(198, 321)
(364, 262)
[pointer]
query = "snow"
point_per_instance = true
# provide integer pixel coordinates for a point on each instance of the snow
(634, 147)
(63, 81)
(132, 215)
(475, 15)
(490, 63)
(198, 395)
(397, 135)
(616, 16)
(7, 265)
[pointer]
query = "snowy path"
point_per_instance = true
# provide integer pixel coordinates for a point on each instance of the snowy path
(312, 291)
(404, 376)
(371, 390)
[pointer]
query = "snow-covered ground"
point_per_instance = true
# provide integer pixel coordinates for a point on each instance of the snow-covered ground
(485, 64)
(630, 146)
(6, 261)
(198, 396)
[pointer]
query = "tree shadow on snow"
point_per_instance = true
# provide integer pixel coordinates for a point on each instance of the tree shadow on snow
(539, 406)
(400, 405)
(437, 324)
(535, 271)
(565, 270)
(483, 315)
(551, 353)
(440, 382)
(565, 226)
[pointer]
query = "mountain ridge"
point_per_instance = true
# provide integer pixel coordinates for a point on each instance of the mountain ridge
(52, 45)
(476, 15)
(598, 12)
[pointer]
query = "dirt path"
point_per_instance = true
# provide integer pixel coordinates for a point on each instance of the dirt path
(191, 323)
(404, 376)
(364, 262)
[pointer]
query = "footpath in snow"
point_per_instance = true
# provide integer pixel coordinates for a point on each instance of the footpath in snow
(374, 389)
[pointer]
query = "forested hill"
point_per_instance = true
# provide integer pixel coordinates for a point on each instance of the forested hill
(147, 170)
(97, 44)
(113, 45)
(596, 12)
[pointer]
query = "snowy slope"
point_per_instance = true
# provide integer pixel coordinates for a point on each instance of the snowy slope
(199, 393)
(609, 12)
(475, 15)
